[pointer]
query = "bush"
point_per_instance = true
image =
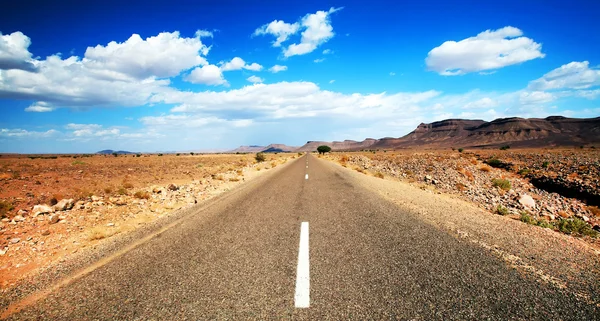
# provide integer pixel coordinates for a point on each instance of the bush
(142, 195)
(524, 171)
(160, 154)
(300, 154)
(505, 147)
(115, 154)
(526, 218)
(502, 210)
(192, 153)
(502, 183)
(575, 226)
(122, 191)
(5, 207)
(260, 157)
(460, 150)
(496, 163)
(138, 155)
(323, 149)
(177, 154)
(379, 175)
(545, 164)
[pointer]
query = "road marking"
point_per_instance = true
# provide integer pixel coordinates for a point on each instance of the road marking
(306, 176)
(302, 297)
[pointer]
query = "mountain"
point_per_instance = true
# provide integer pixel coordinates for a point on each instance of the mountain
(110, 151)
(516, 132)
(273, 148)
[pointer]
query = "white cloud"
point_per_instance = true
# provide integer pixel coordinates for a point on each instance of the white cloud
(489, 50)
(319, 60)
(317, 30)
(204, 34)
(535, 97)
(332, 81)
(254, 79)
(40, 107)
(238, 63)
(392, 73)
(14, 53)
(279, 29)
(327, 51)
(208, 75)
(18, 132)
(278, 68)
(164, 55)
(482, 103)
(574, 75)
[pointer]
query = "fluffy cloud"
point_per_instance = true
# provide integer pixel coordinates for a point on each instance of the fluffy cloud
(317, 30)
(574, 75)
(14, 53)
(18, 132)
(482, 103)
(208, 75)
(535, 97)
(489, 50)
(327, 51)
(238, 63)
(319, 60)
(40, 107)
(279, 29)
(278, 68)
(254, 79)
(165, 55)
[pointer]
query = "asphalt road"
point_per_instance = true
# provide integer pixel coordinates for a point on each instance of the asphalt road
(238, 259)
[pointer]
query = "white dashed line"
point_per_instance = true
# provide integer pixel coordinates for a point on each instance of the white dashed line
(302, 296)
(306, 176)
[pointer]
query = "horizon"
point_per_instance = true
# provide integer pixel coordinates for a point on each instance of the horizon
(81, 78)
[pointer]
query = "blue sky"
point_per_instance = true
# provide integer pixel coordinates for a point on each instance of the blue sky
(213, 75)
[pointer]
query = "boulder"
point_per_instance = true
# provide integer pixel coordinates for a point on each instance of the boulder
(54, 219)
(64, 205)
(172, 187)
(527, 201)
(42, 209)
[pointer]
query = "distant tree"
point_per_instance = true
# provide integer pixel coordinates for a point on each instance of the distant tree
(323, 149)
(192, 153)
(260, 157)
(177, 154)
(115, 154)
(460, 150)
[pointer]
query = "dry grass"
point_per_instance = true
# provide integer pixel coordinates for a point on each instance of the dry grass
(101, 232)
(484, 168)
(234, 179)
(142, 195)
(378, 175)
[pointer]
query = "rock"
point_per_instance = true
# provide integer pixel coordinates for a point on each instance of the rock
(19, 218)
(15, 240)
(157, 190)
(95, 198)
(54, 219)
(172, 187)
(22, 212)
(3, 251)
(42, 209)
(585, 218)
(80, 205)
(550, 217)
(121, 202)
(64, 205)
(527, 201)
(45, 232)
(110, 224)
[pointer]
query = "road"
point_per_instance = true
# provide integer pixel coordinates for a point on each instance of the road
(242, 258)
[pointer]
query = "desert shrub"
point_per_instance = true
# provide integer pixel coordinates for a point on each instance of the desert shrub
(526, 218)
(344, 158)
(360, 170)
(496, 163)
(505, 147)
(502, 183)
(502, 210)
(142, 195)
(273, 164)
(177, 154)
(484, 168)
(240, 172)
(545, 164)
(115, 154)
(122, 191)
(108, 190)
(127, 185)
(192, 153)
(260, 157)
(300, 154)
(460, 150)
(234, 179)
(575, 226)
(545, 224)
(138, 155)
(461, 187)
(524, 171)
(77, 162)
(160, 154)
(16, 175)
(378, 175)
(5, 207)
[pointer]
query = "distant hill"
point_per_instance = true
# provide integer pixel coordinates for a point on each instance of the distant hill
(554, 131)
(273, 148)
(110, 151)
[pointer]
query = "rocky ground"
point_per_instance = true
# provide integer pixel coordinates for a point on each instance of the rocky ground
(499, 181)
(46, 216)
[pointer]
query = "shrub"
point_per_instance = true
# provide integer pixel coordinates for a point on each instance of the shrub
(108, 190)
(484, 168)
(138, 155)
(260, 157)
(142, 195)
(122, 191)
(575, 226)
(526, 218)
(77, 162)
(496, 163)
(545, 164)
(524, 171)
(545, 224)
(502, 183)
(234, 179)
(300, 154)
(127, 185)
(502, 210)
(379, 175)
(505, 147)
(177, 154)
(460, 150)
(115, 154)
(5, 207)
(192, 153)
(160, 154)
(16, 175)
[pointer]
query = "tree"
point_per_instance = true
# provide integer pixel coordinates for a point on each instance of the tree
(192, 153)
(260, 157)
(323, 149)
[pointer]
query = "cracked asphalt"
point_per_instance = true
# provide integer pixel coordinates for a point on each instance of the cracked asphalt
(369, 260)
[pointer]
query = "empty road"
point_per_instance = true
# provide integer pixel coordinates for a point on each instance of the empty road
(306, 242)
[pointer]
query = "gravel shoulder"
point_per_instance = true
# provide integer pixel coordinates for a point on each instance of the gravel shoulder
(552, 257)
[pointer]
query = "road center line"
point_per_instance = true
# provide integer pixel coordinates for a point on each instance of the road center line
(302, 296)
(306, 176)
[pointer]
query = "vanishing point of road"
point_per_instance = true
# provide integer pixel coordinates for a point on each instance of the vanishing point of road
(305, 242)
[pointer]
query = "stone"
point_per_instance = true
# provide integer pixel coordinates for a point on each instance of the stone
(45, 232)
(19, 218)
(110, 224)
(121, 202)
(54, 219)
(42, 209)
(64, 205)
(22, 212)
(15, 240)
(95, 198)
(172, 187)
(527, 201)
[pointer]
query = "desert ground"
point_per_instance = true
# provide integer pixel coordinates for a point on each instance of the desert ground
(556, 189)
(54, 206)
